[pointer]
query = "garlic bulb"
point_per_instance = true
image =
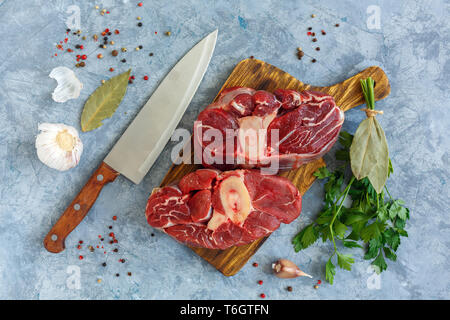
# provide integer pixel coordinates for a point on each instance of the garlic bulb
(69, 87)
(286, 269)
(58, 146)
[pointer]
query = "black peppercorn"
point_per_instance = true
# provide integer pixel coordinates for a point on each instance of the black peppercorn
(123, 60)
(117, 274)
(140, 47)
(139, 24)
(104, 264)
(151, 54)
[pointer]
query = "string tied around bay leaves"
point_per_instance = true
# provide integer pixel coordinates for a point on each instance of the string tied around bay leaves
(372, 112)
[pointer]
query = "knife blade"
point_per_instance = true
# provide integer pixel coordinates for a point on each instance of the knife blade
(143, 140)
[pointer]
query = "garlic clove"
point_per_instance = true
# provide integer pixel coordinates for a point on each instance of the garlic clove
(58, 146)
(286, 269)
(69, 87)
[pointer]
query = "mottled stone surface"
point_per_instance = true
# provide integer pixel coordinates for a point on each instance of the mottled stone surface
(412, 45)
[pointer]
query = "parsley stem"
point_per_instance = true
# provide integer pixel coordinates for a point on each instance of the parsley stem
(347, 189)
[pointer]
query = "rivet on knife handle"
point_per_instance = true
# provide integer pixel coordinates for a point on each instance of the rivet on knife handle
(78, 209)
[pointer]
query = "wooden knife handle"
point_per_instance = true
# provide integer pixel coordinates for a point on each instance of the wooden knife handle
(78, 209)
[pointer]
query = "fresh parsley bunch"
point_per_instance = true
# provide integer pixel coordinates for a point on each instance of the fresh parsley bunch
(372, 219)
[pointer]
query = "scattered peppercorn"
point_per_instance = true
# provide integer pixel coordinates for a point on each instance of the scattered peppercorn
(82, 64)
(313, 15)
(313, 60)
(117, 274)
(309, 28)
(111, 42)
(140, 4)
(105, 38)
(151, 54)
(139, 24)
(316, 286)
(319, 281)
(262, 295)
(114, 53)
(124, 49)
(168, 33)
(323, 32)
(104, 264)
(103, 81)
(81, 257)
(139, 18)
(314, 40)
(116, 31)
(83, 37)
(140, 47)
(116, 250)
(68, 30)
(318, 49)
(313, 34)
(100, 56)
(336, 25)
(110, 227)
(129, 273)
(260, 282)
(95, 37)
(114, 218)
(255, 264)
(152, 234)
(145, 77)
(99, 280)
(84, 57)
(130, 81)
(77, 46)
(289, 289)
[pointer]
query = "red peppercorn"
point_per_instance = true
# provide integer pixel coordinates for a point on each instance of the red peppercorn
(81, 47)
(111, 234)
(106, 30)
(145, 77)
(262, 295)
(255, 264)
(140, 4)
(319, 281)
(116, 31)
(111, 69)
(132, 77)
(78, 247)
(260, 282)
(309, 33)
(81, 257)
(114, 218)
(84, 57)
(80, 242)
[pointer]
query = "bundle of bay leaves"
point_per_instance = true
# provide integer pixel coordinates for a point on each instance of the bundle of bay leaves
(371, 219)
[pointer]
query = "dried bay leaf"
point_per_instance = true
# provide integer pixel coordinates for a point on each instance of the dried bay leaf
(104, 101)
(369, 153)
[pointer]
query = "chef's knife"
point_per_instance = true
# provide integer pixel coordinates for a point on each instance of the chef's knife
(142, 142)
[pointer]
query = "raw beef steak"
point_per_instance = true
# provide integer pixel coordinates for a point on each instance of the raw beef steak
(308, 125)
(217, 210)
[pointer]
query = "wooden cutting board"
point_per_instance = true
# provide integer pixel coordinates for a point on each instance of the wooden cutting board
(260, 75)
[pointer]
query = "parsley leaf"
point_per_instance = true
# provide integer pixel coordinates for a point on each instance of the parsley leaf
(330, 271)
(345, 261)
(322, 173)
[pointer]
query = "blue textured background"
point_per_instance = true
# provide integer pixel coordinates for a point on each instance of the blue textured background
(412, 46)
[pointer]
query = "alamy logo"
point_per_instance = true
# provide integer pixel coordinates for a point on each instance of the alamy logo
(374, 18)
(374, 280)
(73, 281)
(74, 20)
